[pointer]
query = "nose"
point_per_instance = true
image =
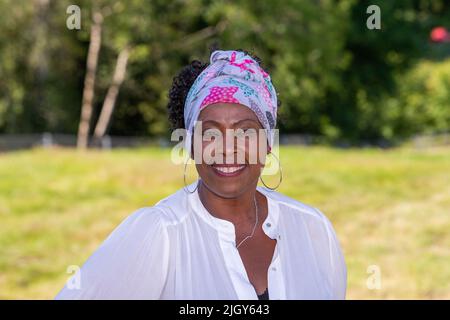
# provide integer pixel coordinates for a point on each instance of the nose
(229, 147)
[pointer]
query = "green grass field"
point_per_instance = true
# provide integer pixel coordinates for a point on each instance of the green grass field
(389, 208)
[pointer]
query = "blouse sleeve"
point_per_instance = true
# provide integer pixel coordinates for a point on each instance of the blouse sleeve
(338, 265)
(132, 263)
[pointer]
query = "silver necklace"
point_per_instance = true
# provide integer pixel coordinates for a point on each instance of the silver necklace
(254, 227)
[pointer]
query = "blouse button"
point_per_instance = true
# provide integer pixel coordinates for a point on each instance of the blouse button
(268, 224)
(274, 269)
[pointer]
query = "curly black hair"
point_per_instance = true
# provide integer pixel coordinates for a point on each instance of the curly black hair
(181, 84)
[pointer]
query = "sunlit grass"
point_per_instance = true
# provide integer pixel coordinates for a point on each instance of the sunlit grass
(389, 208)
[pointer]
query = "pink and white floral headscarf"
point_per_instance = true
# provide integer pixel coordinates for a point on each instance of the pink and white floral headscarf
(233, 77)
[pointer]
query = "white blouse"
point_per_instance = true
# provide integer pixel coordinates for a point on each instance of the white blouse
(178, 250)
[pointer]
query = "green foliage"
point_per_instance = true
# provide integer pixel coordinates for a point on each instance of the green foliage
(367, 106)
(335, 77)
(423, 102)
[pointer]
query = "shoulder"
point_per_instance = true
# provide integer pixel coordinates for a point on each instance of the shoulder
(304, 220)
(173, 208)
(167, 211)
(132, 262)
(295, 208)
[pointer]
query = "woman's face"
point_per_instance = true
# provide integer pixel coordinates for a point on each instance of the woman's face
(233, 149)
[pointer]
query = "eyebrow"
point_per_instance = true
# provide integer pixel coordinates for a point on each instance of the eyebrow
(235, 123)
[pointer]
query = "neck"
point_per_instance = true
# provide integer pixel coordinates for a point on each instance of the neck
(238, 210)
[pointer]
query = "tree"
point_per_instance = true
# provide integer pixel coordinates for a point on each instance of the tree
(89, 82)
(111, 96)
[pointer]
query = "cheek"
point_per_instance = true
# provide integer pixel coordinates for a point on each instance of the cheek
(254, 171)
(209, 151)
(203, 170)
(255, 150)
(204, 150)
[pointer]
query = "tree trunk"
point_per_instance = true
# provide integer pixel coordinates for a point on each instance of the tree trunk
(38, 116)
(111, 96)
(89, 80)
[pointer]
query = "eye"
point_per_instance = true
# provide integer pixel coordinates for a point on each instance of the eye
(243, 132)
(209, 133)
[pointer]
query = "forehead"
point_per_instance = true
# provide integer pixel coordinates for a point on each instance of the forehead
(226, 113)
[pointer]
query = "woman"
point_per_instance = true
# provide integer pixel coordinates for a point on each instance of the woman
(222, 237)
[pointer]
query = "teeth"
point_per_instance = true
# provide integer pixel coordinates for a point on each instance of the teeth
(229, 169)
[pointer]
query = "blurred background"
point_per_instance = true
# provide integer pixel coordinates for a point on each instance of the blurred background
(364, 126)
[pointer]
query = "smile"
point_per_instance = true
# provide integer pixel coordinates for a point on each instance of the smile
(229, 170)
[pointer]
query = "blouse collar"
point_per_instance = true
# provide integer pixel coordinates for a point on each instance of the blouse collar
(226, 228)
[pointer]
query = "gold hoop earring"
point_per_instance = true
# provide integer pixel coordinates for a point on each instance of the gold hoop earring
(184, 179)
(281, 175)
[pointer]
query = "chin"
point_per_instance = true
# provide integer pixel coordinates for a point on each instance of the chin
(229, 182)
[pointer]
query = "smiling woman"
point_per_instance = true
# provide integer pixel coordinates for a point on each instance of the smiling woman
(223, 236)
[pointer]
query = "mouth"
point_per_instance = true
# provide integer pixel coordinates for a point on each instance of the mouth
(228, 170)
